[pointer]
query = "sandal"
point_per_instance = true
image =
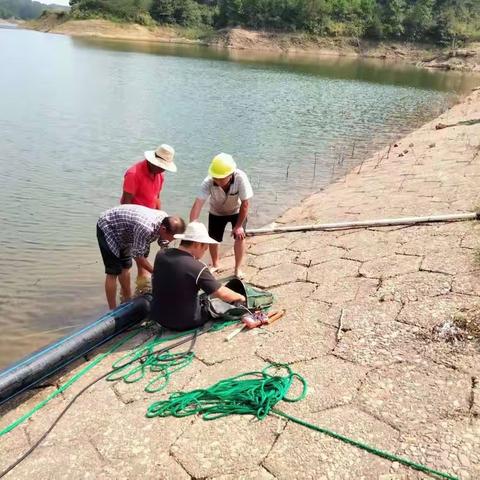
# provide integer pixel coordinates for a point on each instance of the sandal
(240, 275)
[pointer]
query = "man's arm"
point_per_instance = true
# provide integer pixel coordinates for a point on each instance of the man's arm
(144, 263)
(140, 244)
(159, 204)
(207, 282)
(129, 187)
(196, 209)
(227, 295)
(237, 230)
(126, 197)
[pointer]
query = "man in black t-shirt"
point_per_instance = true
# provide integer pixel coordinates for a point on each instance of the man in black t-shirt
(178, 276)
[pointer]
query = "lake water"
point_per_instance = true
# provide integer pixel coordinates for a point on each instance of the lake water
(75, 113)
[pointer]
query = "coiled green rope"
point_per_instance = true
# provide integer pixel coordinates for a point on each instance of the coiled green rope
(253, 393)
(257, 393)
(164, 364)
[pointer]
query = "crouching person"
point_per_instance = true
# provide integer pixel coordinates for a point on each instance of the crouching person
(179, 275)
(126, 232)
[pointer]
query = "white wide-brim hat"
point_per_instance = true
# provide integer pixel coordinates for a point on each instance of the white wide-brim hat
(162, 157)
(196, 232)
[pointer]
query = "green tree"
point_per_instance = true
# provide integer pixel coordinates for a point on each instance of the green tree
(419, 20)
(394, 12)
(163, 11)
(443, 21)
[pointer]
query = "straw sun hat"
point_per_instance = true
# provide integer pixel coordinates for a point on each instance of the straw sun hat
(162, 157)
(196, 232)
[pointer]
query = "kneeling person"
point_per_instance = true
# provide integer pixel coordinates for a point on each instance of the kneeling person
(178, 276)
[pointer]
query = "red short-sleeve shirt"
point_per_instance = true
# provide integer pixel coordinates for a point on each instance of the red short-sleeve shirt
(143, 185)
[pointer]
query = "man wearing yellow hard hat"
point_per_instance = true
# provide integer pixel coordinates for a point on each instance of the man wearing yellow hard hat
(229, 191)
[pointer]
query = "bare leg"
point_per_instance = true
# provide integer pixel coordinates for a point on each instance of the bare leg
(239, 247)
(214, 254)
(111, 291)
(124, 279)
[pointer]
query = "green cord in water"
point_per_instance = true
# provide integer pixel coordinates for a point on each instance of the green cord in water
(257, 393)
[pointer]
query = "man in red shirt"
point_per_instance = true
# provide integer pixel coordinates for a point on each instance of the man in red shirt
(143, 182)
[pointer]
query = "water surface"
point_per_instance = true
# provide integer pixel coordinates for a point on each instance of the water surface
(75, 113)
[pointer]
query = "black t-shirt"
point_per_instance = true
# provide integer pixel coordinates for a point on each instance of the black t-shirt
(177, 278)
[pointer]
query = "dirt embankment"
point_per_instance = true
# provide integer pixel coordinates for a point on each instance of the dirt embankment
(11, 21)
(107, 29)
(466, 59)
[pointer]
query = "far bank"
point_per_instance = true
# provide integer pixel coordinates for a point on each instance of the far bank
(425, 56)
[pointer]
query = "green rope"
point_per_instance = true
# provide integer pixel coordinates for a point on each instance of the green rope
(143, 349)
(165, 364)
(368, 448)
(68, 383)
(257, 393)
(253, 393)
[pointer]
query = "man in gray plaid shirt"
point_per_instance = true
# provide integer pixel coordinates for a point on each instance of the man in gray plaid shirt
(127, 231)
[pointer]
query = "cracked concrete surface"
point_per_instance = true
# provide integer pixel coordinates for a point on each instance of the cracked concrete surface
(361, 306)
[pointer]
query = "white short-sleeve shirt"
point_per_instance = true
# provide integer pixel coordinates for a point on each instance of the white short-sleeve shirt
(226, 203)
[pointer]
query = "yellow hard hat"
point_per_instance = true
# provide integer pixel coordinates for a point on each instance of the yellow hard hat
(222, 166)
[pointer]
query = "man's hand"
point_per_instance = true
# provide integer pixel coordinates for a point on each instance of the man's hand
(238, 233)
(144, 263)
(241, 302)
(224, 293)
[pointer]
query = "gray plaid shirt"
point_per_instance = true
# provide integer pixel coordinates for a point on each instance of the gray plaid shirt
(131, 227)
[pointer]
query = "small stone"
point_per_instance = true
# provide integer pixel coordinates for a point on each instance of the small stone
(445, 460)
(463, 459)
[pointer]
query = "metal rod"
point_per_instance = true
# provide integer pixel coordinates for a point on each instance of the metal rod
(386, 222)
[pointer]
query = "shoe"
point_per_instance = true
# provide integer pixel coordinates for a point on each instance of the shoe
(213, 269)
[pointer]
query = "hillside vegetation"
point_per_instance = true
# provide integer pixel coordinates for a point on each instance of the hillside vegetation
(26, 9)
(435, 21)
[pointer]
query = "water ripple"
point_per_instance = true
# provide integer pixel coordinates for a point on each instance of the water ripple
(91, 109)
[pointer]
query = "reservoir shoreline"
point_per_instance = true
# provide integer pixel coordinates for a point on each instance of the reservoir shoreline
(362, 307)
(292, 44)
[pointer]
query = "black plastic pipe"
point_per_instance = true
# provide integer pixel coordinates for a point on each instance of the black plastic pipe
(43, 363)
